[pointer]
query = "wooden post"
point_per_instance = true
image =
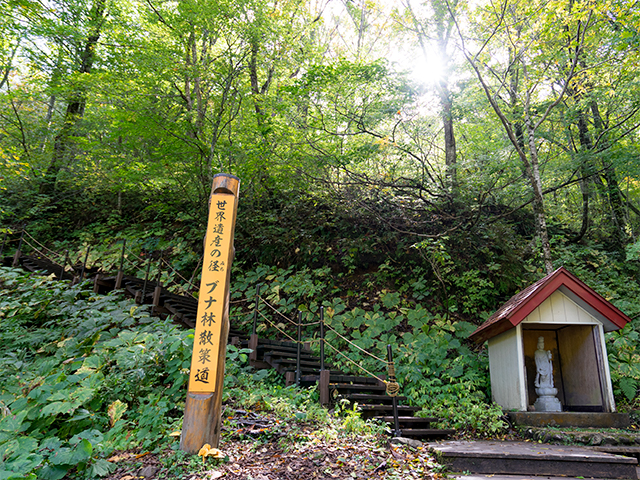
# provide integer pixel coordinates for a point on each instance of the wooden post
(396, 422)
(299, 345)
(84, 264)
(144, 285)
(120, 274)
(253, 339)
(157, 292)
(4, 240)
(16, 257)
(64, 264)
(96, 283)
(325, 375)
(203, 408)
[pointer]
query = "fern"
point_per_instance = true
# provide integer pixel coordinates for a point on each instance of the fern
(629, 387)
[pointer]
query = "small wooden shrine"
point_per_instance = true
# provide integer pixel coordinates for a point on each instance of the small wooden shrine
(572, 319)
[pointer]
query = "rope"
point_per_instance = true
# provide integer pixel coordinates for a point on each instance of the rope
(134, 254)
(278, 328)
(293, 322)
(177, 273)
(244, 300)
(393, 387)
(357, 365)
(351, 343)
(38, 251)
(40, 244)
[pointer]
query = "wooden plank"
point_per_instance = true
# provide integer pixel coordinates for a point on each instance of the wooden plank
(323, 387)
(528, 458)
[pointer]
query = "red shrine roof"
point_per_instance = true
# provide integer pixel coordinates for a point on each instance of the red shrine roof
(522, 304)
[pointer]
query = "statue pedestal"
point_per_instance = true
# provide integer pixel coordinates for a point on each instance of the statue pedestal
(547, 401)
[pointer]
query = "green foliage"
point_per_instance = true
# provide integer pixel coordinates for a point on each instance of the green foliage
(624, 362)
(83, 375)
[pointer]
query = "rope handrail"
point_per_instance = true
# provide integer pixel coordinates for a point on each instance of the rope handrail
(356, 364)
(166, 262)
(392, 386)
(351, 343)
(242, 300)
(41, 245)
(131, 262)
(292, 322)
(134, 254)
(277, 328)
(38, 251)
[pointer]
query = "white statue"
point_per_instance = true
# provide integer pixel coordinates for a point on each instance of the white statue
(547, 401)
(544, 367)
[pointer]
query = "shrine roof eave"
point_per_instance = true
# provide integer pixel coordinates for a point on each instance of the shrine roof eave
(518, 307)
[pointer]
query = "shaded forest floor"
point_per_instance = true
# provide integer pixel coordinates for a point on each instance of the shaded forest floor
(275, 450)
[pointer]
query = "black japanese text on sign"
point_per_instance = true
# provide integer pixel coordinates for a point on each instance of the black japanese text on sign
(217, 250)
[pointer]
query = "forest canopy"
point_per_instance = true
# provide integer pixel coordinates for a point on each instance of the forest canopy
(494, 135)
(407, 165)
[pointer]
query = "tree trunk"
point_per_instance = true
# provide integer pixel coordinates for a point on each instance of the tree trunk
(618, 215)
(538, 199)
(63, 142)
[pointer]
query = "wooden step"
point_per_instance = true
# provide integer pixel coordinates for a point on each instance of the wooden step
(292, 361)
(348, 389)
(277, 354)
(624, 450)
(352, 380)
(426, 432)
(379, 410)
(338, 378)
(529, 458)
(361, 398)
(410, 420)
(280, 343)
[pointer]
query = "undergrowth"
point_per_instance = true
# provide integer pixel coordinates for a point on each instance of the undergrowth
(85, 376)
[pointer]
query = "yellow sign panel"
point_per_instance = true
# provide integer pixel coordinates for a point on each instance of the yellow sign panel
(213, 287)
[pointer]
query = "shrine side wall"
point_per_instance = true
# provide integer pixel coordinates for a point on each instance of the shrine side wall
(506, 365)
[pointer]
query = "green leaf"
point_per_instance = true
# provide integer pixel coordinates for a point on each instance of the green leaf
(53, 472)
(73, 456)
(23, 464)
(101, 468)
(56, 408)
(12, 423)
(628, 387)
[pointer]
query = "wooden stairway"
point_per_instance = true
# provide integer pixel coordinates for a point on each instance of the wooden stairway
(369, 393)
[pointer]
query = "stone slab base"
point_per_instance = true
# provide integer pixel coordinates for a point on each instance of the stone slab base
(570, 419)
(528, 458)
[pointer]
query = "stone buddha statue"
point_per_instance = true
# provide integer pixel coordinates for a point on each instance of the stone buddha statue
(546, 401)
(544, 367)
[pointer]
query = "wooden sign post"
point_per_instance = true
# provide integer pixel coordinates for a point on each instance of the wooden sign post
(202, 411)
